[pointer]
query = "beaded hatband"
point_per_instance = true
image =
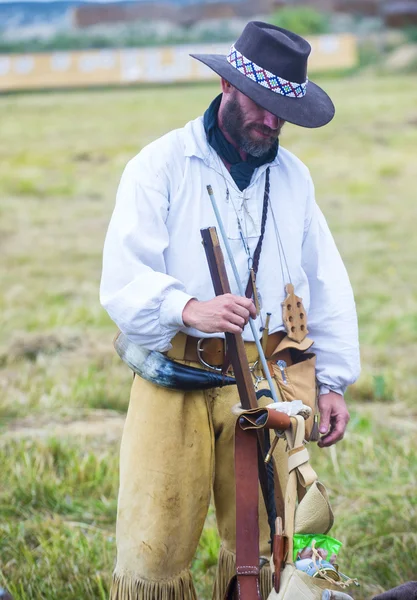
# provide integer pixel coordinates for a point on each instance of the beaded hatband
(265, 78)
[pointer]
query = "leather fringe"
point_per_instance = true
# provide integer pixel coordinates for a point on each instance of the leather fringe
(266, 581)
(226, 568)
(126, 587)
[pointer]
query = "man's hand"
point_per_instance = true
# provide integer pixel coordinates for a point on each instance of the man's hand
(224, 313)
(334, 417)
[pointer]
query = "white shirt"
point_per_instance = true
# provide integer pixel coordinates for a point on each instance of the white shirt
(154, 261)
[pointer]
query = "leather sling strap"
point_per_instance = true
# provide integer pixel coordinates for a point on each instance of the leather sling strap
(247, 525)
(247, 586)
(247, 497)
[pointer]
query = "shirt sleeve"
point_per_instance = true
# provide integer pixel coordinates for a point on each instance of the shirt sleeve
(140, 297)
(332, 320)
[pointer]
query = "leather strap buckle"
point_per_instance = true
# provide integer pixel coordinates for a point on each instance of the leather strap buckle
(201, 360)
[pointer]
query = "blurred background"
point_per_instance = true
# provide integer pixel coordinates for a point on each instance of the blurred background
(83, 87)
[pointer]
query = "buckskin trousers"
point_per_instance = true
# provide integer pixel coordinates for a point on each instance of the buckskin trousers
(177, 450)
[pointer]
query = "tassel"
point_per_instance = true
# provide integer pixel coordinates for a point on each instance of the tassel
(266, 581)
(314, 435)
(126, 587)
(226, 569)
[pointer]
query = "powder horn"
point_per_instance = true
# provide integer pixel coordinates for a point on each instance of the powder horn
(157, 368)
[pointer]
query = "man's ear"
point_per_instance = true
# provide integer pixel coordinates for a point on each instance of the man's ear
(226, 86)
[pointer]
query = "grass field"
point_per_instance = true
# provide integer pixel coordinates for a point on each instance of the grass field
(63, 391)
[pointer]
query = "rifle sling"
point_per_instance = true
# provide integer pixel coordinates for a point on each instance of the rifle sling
(247, 525)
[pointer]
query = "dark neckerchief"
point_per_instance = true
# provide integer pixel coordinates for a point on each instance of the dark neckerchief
(240, 170)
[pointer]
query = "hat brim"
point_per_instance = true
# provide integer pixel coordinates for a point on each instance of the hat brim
(315, 109)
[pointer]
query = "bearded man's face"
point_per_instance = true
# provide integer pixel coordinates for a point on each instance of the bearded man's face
(252, 128)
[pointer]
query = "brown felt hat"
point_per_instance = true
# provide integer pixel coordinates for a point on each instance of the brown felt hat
(269, 65)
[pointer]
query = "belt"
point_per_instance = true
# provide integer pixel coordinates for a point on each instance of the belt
(212, 350)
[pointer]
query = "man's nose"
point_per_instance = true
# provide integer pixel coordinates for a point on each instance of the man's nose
(271, 120)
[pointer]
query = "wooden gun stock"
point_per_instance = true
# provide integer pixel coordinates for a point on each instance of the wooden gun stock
(247, 394)
(235, 343)
(237, 355)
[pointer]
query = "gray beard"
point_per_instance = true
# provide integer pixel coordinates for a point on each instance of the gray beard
(233, 124)
(256, 149)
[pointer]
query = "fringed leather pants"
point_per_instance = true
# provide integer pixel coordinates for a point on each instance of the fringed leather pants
(177, 449)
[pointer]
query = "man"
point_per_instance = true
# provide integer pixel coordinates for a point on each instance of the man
(177, 446)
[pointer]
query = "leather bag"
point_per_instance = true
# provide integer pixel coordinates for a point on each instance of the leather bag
(313, 515)
(297, 380)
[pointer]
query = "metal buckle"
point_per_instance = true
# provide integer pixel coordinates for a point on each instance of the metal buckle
(200, 350)
(257, 378)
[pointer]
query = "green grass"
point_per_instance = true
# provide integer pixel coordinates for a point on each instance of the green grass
(63, 391)
(371, 478)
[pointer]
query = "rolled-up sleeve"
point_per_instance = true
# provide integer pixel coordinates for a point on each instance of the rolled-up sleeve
(140, 297)
(332, 319)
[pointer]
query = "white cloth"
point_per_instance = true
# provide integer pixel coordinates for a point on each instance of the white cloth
(154, 262)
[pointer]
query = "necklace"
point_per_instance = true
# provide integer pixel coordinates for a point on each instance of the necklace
(253, 260)
(239, 222)
(293, 312)
(240, 228)
(294, 315)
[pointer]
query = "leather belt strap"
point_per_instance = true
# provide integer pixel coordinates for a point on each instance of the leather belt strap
(247, 497)
(247, 525)
(184, 347)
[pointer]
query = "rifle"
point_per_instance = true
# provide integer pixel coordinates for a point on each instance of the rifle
(249, 443)
(234, 341)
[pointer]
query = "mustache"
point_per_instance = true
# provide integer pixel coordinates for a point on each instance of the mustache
(265, 130)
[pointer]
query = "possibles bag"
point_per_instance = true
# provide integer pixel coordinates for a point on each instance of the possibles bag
(313, 515)
(295, 376)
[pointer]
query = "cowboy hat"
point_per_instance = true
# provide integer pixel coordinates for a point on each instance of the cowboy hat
(269, 65)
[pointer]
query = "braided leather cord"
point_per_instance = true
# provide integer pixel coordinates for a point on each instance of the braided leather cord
(257, 253)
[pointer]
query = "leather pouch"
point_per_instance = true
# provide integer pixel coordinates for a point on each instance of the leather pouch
(296, 585)
(297, 379)
(261, 418)
(313, 513)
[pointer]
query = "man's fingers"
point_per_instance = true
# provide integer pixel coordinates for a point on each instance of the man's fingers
(330, 439)
(336, 433)
(248, 304)
(325, 412)
(334, 417)
(223, 313)
(232, 328)
(242, 312)
(236, 320)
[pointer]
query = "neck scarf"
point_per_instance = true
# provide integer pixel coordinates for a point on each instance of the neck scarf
(240, 170)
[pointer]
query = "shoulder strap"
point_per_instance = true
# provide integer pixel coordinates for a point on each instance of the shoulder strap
(247, 586)
(300, 471)
(247, 525)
